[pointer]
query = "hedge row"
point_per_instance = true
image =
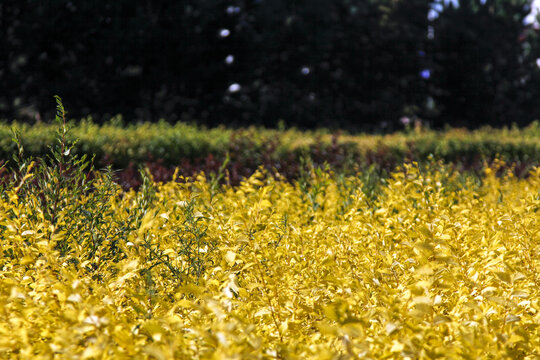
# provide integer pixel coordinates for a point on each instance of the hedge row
(163, 147)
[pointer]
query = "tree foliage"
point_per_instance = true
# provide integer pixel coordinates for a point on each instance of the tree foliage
(346, 63)
(484, 61)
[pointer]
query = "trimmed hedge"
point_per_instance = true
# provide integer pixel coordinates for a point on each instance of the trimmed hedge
(163, 146)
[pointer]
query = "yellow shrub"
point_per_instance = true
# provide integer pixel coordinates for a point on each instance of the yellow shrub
(438, 265)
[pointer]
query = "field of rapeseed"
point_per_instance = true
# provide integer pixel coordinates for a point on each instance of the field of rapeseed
(429, 263)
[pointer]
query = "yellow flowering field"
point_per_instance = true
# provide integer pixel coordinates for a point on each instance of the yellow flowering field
(434, 264)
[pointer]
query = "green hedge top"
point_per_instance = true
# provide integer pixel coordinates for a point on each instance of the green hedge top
(118, 144)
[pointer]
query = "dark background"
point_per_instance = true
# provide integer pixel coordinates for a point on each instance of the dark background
(354, 64)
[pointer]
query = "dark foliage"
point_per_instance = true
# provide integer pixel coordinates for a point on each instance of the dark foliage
(358, 64)
(484, 64)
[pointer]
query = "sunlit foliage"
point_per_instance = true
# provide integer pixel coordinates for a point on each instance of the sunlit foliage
(433, 264)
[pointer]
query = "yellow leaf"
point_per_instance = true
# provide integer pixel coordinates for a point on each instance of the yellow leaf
(397, 346)
(391, 328)
(441, 319)
(230, 256)
(92, 352)
(515, 339)
(511, 318)
(503, 276)
(184, 303)
(154, 352)
(27, 260)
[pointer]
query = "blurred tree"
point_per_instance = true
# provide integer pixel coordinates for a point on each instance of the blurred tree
(485, 67)
(342, 63)
(317, 63)
(360, 64)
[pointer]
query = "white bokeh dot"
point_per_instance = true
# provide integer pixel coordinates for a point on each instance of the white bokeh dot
(224, 33)
(234, 88)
